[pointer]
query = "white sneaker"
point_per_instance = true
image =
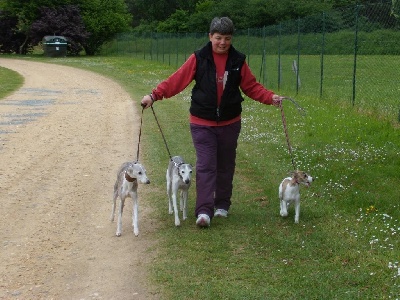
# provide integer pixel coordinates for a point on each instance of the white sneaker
(203, 220)
(221, 213)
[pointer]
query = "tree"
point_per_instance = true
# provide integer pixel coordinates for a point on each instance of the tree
(10, 39)
(200, 20)
(247, 14)
(26, 12)
(148, 11)
(177, 22)
(103, 19)
(63, 20)
(394, 11)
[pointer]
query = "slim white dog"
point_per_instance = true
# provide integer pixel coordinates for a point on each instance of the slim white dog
(178, 176)
(129, 174)
(289, 190)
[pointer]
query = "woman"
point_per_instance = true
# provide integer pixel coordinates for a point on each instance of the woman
(220, 73)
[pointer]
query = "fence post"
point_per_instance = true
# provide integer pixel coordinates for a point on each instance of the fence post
(184, 51)
(248, 46)
(355, 53)
(177, 50)
(169, 50)
(279, 55)
(322, 55)
(298, 57)
(163, 47)
(157, 38)
(263, 69)
(151, 45)
(131, 43)
(117, 44)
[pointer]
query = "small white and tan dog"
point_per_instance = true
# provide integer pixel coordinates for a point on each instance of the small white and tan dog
(179, 178)
(129, 174)
(289, 191)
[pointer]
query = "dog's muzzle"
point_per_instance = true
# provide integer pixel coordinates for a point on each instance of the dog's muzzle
(309, 180)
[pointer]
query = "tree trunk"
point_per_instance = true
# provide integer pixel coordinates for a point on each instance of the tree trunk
(21, 48)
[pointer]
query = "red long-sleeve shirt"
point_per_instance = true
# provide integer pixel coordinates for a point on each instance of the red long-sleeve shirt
(180, 79)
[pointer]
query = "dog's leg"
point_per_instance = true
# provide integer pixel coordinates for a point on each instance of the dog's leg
(174, 192)
(169, 183)
(135, 222)
(297, 210)
(119, 221)
(184, 197)
(284, 207)
(283, 211)
(181, 204)
(113, 206)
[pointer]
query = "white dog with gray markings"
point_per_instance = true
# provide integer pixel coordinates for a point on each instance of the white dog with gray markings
(289, 191)
(129, 174)
(179, 177)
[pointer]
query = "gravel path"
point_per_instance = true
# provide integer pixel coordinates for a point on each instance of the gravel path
(63, 136)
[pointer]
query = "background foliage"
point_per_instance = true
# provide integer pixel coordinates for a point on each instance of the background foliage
(194, 16)
(102, 19)
(65, 21)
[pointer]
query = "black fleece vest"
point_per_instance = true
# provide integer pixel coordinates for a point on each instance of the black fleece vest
(204, 94)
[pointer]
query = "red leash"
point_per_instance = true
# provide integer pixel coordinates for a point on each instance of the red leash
(301, 110)
(140, 134)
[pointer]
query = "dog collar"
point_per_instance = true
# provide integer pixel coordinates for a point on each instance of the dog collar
(179, 170)
(129, 178)
(178, 167)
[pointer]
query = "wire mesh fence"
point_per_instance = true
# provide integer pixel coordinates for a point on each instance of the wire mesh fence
(345, 55)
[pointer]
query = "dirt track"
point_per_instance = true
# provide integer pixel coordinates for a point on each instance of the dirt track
(63, 136)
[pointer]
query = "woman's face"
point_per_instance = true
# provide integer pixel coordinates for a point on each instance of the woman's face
(220, 42)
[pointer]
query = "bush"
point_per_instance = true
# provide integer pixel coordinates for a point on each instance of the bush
(11, 39)
(65, 21)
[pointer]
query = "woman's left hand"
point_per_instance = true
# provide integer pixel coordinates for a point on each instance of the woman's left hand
(277, 100)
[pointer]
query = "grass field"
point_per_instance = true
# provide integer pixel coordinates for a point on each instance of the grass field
(346, 245)
(10, 81)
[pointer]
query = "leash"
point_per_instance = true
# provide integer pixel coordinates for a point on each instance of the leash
(165, 141)
(302, 112)
(140, 134)
(177, 164)
(299, 108)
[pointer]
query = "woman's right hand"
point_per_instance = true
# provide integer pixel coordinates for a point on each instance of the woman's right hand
(147, 101)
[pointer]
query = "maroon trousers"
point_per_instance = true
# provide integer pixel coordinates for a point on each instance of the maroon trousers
(215, 165)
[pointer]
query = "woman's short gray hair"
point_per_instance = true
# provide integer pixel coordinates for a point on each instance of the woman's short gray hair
(222, 25)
